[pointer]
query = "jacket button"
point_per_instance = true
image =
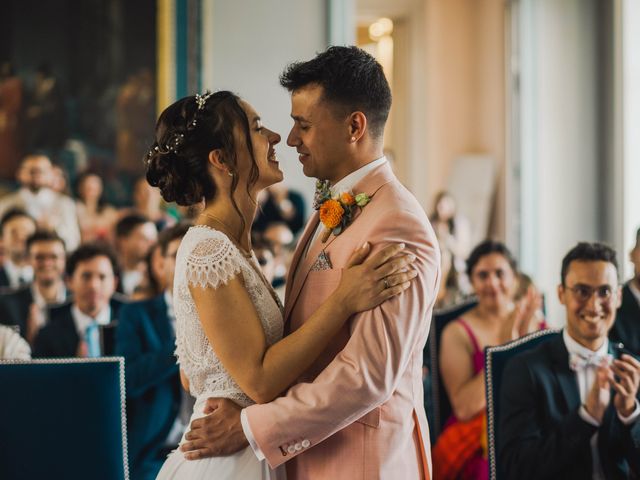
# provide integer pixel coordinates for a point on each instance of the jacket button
(306, 443)
(291, 449)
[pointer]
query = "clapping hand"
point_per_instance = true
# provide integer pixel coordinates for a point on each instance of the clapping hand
(599, 396)
(34, 320)
(625, 383)
(526, 313)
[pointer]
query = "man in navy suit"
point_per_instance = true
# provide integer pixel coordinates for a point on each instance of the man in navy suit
(84, 326)
(146, 338)
(16, 226)
(27, 306)
(626, 329)
(570, 406)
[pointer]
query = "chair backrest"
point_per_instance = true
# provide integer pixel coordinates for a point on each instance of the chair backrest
(441, 405)
(63, 418)
(495, 359)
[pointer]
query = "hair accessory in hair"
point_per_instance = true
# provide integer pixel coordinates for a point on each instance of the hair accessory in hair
(201, 101)
(172, 145)
(176, 140)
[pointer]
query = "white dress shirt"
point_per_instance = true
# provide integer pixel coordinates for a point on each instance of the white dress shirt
(344, 185)
(586, 376)
(42, 304)
(82, 320)
(18, 275)
(130, 280)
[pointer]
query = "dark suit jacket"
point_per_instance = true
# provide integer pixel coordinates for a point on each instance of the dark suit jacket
(626, 328)
(146, 339)
(59, 337)
(541, 434)
(4, 278)
(14, 307)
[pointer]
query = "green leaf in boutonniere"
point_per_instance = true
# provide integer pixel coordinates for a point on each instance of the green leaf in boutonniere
(362, 199)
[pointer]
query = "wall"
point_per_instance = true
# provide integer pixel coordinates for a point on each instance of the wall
(246, 45)
(560, 136)
(465, 49)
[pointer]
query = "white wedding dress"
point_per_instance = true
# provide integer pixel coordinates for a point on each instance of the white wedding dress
(207, 258)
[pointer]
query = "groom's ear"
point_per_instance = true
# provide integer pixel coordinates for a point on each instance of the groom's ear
(216, 159)
(357, 125)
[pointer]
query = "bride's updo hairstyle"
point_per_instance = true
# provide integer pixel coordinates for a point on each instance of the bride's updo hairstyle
(186, 133)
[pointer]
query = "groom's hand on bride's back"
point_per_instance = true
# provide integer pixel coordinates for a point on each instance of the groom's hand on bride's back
(217, 434)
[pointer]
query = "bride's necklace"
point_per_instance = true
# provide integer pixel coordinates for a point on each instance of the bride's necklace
(228, 231)
(248, 255)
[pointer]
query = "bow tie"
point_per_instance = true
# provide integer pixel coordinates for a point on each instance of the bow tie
(580, 362)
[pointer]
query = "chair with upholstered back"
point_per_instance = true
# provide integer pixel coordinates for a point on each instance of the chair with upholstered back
(496, 359)
(440, 409)
(63, 418)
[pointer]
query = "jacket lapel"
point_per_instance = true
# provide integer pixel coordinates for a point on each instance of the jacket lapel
(566, 377)
(300, 266)
(69, 338)
(294, 279)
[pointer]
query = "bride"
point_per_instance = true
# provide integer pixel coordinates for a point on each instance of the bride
(229, 326)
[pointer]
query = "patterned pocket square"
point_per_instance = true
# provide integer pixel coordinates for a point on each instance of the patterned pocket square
(322, 262)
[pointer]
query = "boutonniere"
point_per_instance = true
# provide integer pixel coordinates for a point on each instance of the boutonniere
(337, 209)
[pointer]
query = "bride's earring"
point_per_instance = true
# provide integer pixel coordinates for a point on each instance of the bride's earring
(230, 173)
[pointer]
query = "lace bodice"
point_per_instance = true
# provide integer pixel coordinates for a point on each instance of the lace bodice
(207, 258)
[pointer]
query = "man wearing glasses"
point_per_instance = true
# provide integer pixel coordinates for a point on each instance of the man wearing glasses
(570, 406)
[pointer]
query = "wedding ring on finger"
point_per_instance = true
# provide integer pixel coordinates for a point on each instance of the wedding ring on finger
(386, 283)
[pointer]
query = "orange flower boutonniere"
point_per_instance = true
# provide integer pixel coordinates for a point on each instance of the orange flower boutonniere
(336, 211)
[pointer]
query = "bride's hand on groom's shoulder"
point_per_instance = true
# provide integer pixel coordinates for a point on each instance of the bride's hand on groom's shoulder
(217, 434)
(368, 280)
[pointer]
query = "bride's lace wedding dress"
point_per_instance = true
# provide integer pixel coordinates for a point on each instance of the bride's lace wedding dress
(207, 258)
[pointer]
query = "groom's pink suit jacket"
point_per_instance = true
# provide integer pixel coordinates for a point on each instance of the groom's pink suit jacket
(358, 412)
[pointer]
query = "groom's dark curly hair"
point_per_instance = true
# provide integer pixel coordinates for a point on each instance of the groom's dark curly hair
(352, 80)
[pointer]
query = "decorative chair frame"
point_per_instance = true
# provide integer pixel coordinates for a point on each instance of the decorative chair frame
(534, 339)
(122, 389)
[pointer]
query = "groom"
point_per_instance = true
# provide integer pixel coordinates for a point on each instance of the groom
(358, 411)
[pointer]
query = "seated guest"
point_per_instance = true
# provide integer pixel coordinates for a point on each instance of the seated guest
(495, 320)
(135, 235)
(279, 204)
(449, 293)
(153, 283)
(569, 407)
(95, 217)
(452, 229)
(26, 307)
(146, 338)
(16, 226)
(52, 210)
(74, 328)
(527, 288)
(147, 201)
(280, 237)
(626, 328)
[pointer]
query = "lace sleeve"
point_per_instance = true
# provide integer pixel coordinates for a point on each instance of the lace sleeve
(212, 261)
